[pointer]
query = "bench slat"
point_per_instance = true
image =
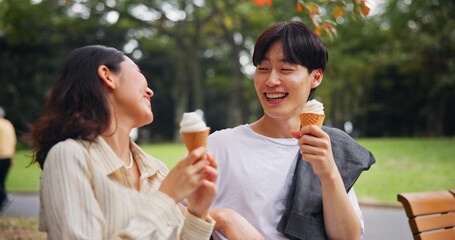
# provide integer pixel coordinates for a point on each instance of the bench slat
(422, 203)
(437, 235)
(432, 222)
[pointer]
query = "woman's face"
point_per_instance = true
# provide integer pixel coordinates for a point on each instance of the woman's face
(282, 87)
(132, 96)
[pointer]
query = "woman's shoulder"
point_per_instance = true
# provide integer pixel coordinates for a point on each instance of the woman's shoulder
(67, 145)
(69, 148)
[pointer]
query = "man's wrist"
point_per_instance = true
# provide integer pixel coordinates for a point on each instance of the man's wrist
(220, 215)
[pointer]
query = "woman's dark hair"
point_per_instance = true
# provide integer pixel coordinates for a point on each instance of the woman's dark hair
(78, 105)
(300, 46)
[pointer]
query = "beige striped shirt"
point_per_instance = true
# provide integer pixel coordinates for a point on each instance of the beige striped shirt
(86, 193)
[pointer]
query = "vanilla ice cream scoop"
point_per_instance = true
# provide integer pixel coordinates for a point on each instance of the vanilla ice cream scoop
(312, 114)
(313, 106)
(192, 122)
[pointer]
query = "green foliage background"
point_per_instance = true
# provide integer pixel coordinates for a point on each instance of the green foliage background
(390, 74)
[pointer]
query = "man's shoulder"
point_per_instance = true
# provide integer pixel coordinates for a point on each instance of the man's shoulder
(229, 138)
(335, 131)
(5, 122)
(228, 133)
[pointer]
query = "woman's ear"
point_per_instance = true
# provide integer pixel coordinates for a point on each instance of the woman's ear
(316, 77)
(107, 76)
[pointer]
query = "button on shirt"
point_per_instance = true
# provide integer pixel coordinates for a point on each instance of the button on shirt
(87, 193)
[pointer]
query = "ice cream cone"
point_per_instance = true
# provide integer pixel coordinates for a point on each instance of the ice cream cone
(197, 139)
(311, 118)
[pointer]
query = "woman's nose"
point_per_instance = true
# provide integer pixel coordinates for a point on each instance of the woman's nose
(149, 92)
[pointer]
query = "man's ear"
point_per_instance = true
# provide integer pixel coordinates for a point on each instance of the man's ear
(107, 76)
(316, 77)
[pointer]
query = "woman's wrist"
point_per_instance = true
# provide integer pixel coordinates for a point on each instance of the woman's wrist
(202, 216)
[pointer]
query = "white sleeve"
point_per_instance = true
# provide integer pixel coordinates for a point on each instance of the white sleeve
(355, 205)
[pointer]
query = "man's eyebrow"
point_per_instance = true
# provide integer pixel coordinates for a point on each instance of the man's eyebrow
(284, 60)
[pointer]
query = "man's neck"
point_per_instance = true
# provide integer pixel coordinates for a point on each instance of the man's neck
(276, 127)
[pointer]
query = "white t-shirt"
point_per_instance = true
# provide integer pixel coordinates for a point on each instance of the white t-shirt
(255, 174)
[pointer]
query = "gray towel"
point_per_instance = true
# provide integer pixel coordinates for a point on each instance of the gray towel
(303, 216)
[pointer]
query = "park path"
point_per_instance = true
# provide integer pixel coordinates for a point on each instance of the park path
(381, 222)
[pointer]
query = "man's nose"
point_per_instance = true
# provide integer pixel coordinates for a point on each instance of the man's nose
(273, 79)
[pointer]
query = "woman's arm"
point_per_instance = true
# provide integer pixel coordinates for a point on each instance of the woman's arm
(71, 210)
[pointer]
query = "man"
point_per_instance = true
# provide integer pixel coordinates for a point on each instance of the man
(285, 182)
(7, 149)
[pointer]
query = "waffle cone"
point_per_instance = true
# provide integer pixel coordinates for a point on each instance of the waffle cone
(194, 140)
(311, 118)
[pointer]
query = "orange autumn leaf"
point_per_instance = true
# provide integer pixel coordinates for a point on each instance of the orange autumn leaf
(318, 31)
(261, 2)
(313, 8)
(338, 12)
(365, 9)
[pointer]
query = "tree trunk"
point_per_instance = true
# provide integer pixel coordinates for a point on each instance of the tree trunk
(180, 92)
(236, 101)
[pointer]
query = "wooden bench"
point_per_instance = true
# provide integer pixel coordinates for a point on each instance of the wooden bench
(431, 214)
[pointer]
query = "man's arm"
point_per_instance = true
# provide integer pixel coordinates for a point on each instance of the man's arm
(341, 221)
(234, 225)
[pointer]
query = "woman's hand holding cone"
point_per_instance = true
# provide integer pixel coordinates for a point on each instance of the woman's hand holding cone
(200, 200)
(188, 175)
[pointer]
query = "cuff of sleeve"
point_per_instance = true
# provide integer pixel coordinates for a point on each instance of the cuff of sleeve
(160, 208)
(196, 228)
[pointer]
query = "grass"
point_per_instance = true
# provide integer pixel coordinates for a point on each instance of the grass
(403, 165)
(20, 177)
(15, 228)
(407, 165)
(26, 179)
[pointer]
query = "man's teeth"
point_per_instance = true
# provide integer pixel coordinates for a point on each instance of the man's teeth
(275, 95)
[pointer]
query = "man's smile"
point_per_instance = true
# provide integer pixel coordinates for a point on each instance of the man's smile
(275, 97)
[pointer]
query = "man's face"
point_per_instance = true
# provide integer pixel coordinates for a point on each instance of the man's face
(283, 87)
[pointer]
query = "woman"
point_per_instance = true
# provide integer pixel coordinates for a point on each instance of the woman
(96, 183)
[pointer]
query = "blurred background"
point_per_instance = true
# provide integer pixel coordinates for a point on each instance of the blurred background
(390, 74)
(390, 80)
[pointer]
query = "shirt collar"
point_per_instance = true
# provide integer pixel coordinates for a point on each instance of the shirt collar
(108, 162)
